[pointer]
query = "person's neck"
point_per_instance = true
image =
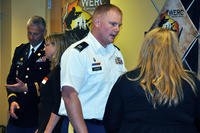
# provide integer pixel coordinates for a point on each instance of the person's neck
(98, 38)
(35, 45)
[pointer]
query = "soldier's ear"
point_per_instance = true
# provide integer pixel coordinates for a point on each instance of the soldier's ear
(45, 32)
(96, 22)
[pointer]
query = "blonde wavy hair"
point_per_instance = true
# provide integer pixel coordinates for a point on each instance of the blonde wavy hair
(61, 41)
(161, 68)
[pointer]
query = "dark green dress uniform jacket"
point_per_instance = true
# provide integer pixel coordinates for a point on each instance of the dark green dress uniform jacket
(31, 71)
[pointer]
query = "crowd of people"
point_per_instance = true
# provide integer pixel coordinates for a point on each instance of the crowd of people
(65, 77)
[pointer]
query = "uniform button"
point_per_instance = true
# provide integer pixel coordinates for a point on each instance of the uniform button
(40, 68)
(26, 76)
(18, 66)
(27, 68)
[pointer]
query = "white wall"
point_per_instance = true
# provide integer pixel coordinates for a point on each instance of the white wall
(21, 11)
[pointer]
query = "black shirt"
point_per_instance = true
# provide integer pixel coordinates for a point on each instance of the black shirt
(129, 111)
(50, 96)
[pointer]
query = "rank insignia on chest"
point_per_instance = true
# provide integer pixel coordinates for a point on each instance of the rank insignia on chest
(96, 66)
(19, 63)
(118, 60)
(45, 79)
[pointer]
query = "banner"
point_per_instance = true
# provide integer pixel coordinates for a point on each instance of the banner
(77, 14)
(174, 16)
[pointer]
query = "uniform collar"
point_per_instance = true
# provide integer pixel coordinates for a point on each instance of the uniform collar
(36, 47)
(98, 47)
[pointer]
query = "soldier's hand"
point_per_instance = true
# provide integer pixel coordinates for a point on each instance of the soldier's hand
(18, 87)
(13, 107)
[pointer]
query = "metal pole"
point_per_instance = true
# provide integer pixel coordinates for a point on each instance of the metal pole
(190, 5)
(155, 5)
(190, 47)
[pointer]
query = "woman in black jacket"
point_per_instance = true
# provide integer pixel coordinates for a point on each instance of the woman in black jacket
(159, 96)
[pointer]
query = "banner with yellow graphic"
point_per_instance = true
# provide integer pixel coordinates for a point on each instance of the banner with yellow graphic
(174, 16)
(77, 14)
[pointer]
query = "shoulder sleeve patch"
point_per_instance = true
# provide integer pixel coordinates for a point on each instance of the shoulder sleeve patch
(117, 47)
(81, 46)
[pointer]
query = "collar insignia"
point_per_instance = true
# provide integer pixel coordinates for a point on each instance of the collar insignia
(118, 60)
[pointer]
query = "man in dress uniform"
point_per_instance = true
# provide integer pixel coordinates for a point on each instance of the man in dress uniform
(89, 69)
(28, 68)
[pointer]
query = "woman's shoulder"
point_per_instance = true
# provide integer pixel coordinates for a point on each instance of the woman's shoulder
(133, 73)
(129, 76)
(195, 80)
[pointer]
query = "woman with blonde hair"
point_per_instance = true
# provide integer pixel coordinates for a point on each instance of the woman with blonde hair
(50, 93)
(159, 95)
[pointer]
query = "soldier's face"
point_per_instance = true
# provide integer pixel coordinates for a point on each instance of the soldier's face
(109, 27)
(35, 34)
